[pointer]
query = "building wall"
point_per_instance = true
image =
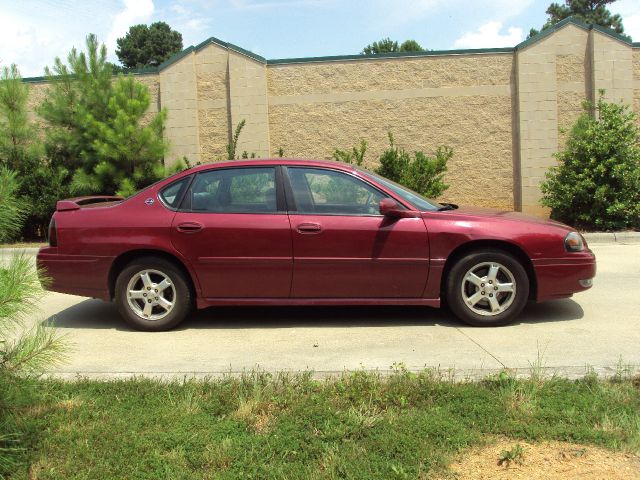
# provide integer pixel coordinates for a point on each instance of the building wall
(505, 112)
(462, 102)
(636, 82)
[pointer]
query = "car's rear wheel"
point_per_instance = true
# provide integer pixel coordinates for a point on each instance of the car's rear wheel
(487, 288)
(152, 294)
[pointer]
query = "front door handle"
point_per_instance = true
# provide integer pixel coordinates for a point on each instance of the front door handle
(189, 227)
(309, 228)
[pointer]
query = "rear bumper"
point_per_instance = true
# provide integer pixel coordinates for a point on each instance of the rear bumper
(84, 275)
(562, 277)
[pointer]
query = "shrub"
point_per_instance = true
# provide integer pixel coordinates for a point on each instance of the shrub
(355, 156)
(596, 184)
(421, 173)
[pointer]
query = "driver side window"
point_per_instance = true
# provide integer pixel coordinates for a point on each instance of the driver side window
(327, 192)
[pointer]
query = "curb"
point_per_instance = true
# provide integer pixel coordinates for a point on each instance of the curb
(596, 238)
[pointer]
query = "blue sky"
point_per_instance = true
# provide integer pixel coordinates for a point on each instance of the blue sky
(33, 32)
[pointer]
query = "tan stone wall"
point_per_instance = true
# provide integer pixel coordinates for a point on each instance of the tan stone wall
(636, 83)
(37, 94)
(212, 80)
(248, 102)
(179, 96)
(550, 86)
(460, 101)
(389, 74)
(572, 70)
(612, 68)
(478, 128)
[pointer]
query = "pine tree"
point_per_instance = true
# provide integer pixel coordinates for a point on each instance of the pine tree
(21, 150)
(127, 152)
(588, 11)
(96, 129)
(32, 350)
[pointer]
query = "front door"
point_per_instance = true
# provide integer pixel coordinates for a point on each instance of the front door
(236, 233)
(344, 248)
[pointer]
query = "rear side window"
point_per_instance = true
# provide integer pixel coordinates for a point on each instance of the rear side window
(235, 190)
(172, 194)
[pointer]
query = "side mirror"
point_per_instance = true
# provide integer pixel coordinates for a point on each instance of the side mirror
(390, 208)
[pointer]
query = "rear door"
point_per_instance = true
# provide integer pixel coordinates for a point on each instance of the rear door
(233, 228)
(343, 247)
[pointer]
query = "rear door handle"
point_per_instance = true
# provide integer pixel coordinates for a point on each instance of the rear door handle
(309, 228)
(189, 227)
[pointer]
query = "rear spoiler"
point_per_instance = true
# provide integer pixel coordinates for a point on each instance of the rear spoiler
(79, 202)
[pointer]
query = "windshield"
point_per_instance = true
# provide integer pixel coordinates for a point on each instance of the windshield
(414, 198)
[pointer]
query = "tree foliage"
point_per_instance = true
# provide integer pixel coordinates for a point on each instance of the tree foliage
(596, 184)
(589, 11)
(11, 211)
(386, 45)
(97, 130)
(151, 45)
(21, 150)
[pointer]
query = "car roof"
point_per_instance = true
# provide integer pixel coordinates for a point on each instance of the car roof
(274, 161)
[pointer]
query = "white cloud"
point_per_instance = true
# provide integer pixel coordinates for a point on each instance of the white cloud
(629, 10)
(134, 12)
(489, 36)
(179, 9)
(32, 44)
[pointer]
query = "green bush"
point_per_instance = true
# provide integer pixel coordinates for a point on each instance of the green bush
(421, 173)
(596, 185)
(355, 156)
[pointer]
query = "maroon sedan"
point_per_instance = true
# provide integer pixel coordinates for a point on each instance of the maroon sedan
(289, 232)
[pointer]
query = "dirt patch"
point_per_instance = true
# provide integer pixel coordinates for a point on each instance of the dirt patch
(546, 460)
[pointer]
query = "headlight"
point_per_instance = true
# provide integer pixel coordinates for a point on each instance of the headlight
(573, 242)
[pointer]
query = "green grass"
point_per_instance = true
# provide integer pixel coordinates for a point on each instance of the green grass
(361, 425)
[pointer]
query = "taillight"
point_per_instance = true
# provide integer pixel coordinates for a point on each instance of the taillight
(53, 233)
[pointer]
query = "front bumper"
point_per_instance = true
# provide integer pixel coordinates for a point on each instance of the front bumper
(562, 277)
(84, 275)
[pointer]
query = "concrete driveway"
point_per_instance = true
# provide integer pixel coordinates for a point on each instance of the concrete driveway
(598, 329)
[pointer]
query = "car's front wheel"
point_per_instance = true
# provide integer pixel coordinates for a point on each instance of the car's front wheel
(152, 294)
(487, 288)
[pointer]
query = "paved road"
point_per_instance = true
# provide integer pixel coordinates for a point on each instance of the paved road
(599, 328)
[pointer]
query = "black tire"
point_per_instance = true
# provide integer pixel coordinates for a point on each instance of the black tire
(487, 304)
(177, 292)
